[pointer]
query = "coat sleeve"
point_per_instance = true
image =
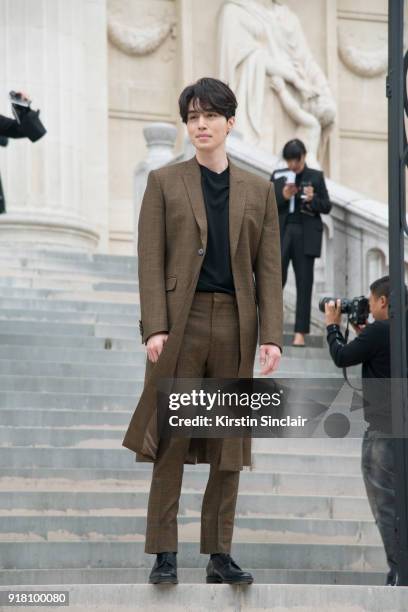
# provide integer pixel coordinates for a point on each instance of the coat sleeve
(268, 277)
(151, 253)
(10, 128)
(321, 201)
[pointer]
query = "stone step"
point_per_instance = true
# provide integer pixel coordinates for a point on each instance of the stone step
(134, 503)
(246, 529)
(195, 478)
(87, 436)
(90, 342)
(41, 267)
(55, 384)
(77, 284)
(38, 417)
(74, 306)
(322, 598)
(69, 295)
(139, 576)
(130, 310)
(56, 354)
(113, 424)
(72, 370)
(110, 370)
(78, 401)
(49, 316)
(132, 385)
(74, 257)
(127, 554)
(66, 275)
(100, 330)
(44, 416)
(316, 463)
(86, 401)
(109, 453)
(323, 365)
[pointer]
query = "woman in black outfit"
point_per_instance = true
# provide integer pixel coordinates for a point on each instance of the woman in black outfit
(300, 204)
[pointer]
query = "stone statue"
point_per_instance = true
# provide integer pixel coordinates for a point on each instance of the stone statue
(261, 42)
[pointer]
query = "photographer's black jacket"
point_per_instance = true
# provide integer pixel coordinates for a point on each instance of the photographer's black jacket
(371, 348)
(312, 224)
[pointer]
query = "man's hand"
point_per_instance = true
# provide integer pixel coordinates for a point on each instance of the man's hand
(333, 312)
(154, 346)
(357, 328)
(309, 193)
(269, 358)
(289, 190)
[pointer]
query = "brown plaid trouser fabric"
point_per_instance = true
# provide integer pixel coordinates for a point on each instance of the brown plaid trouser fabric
(210, 349)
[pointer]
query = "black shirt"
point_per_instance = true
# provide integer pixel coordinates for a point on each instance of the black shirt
(371, 348)
(216, 272)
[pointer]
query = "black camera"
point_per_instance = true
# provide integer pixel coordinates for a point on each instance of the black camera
(357, 309)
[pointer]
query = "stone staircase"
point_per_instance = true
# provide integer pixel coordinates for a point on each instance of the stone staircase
(73, 500)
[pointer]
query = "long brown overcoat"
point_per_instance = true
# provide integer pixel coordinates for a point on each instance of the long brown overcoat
(171, 249)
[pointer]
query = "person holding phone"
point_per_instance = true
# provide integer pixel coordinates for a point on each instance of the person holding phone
(302, 196)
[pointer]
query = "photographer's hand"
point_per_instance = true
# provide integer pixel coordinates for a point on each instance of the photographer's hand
(333, 313)
(357, 328)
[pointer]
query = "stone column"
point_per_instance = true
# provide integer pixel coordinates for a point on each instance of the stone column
(160, 140)
(56, 189)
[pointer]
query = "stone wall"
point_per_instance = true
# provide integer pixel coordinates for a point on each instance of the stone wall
(144, 87)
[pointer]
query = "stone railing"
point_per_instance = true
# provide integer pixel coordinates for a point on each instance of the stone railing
(355, 239)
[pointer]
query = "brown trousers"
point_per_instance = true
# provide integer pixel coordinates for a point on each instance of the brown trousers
(210, 349)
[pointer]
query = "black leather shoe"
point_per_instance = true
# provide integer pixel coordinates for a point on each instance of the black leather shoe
(165, 569)
(222, 568)
(392, 578)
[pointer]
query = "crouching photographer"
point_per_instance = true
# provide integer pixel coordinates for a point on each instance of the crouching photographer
(371, 348)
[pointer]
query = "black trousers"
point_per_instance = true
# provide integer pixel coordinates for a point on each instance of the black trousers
(292, 250)
(378, 467)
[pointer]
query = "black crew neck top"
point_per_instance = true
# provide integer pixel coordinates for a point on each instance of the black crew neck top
(216, 271)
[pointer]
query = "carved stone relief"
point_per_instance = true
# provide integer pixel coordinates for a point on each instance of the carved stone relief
(141, 40)
(363, 62)
(262, 44)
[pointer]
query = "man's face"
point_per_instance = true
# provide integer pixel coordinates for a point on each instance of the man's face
(296, 165)
(207, 129)
(378, 307)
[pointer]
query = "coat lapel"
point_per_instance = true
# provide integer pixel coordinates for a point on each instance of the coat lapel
(192, 181)
(236, 206)
(237, 193)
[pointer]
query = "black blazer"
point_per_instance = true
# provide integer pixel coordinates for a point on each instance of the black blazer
(312, 224)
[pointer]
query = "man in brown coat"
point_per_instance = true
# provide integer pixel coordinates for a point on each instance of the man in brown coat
(209, 268)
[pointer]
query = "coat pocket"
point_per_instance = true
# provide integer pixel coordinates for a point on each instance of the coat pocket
(171, 282)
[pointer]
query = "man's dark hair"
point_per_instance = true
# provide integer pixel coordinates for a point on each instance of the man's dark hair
(380, 287)
(210, 95)
(294, 149)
